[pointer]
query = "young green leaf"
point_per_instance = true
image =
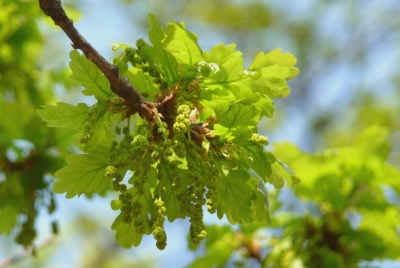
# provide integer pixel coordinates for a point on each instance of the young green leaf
(230, 63)
(260, 206)
(275, 57)
(294, 179)
(235, 197)
(239, 115)
(182, 44)
(101, 129)
(224, 132)
(64, 114)
(232, 78)
(84, 173)
(229, 72)
(216, 101)
(165, 62)
(252, 155)
(143, 82)
(126, 234)
(265, 106)
(86, 73)
(220, 53)
(277, 177)
(272, 81)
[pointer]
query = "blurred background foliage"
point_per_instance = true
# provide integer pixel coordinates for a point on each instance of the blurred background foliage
(29, 151)
(343, 115)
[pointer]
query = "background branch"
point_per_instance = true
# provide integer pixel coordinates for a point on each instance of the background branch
(119, 84)
(29, 251)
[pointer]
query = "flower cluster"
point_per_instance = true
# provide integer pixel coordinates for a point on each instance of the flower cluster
(157, 220)
(259, 139)
(92, 119)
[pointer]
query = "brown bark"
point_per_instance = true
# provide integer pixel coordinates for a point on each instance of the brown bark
(119, 84)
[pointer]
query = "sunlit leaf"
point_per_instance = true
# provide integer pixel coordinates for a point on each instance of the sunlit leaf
(143, 82)
(86, 73)
(261, 203)
(253, 155)
(275, 57)
(64, 114)
(126, 234)
(84, 173)
(235, 197)
(164, 60)
(182, 44)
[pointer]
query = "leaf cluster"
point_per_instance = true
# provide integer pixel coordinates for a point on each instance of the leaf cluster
(351, 216)
(197, 146)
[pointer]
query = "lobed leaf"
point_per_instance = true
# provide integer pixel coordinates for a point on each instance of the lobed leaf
(272, 81)
(235, 197)
(126, 234)
(245, 88)
(275, 57)
(220, 53)
(165, 62)
(102, 131)
(230, 63)
(253, 155)
(265, 106)
(294, 179)
(86, 73)
(239, 115)
(216, 100)
(260, 205)
(225, 134)
(64, 114)
(230, 71)
(143, 82)
(84, 173)
(182, 44)
(277, 177)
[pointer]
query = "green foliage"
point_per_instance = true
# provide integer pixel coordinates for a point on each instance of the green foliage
(29, 151)
(84, 173)
(87, 74)
(341, 182)
(182, 44)
(235, 197)
(163, 60)
(232, 15)
(64, 115)
(200, 148)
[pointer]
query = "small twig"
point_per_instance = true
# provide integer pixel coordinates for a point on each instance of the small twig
(119, 84)
(26, 253)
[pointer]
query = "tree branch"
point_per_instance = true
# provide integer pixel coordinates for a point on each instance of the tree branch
(27, 252)
(119, 84)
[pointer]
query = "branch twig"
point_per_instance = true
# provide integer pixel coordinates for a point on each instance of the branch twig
(119, 84)
(26, 253)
